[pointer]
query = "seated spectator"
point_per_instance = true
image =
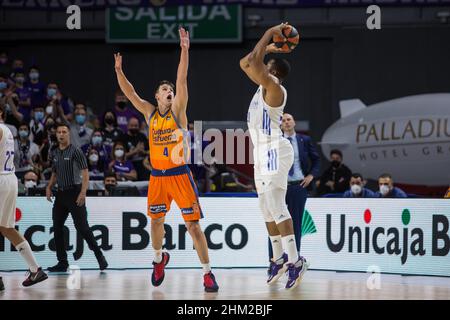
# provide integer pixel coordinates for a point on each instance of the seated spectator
(36, 87)
(336, 178)
(10, 100)
(17, 64)
(111, 133)
(3, 117)
(29, 181)
(4, 66)
(123, 111)
(357, 189)
(49, 143)
(96, 166)
(24, 94)
(24, 151)
(80, 133)
(103, 151)
(123, 168)
(110, 182)
(387, 189)
(137, 145)
(37, 128)
(54, 94)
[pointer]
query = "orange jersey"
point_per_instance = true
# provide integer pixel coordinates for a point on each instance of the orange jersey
(167, 141)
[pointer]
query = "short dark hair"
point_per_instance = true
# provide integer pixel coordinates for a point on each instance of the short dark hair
(163, 82)
(385, 175)
(357, 175)
(23, 123)
(34, 67)
(109, 174)
(62, 124)
(282, 68)
(336, 151)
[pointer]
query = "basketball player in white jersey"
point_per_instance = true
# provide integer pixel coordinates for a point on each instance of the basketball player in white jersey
(8, 194)
(273, 156)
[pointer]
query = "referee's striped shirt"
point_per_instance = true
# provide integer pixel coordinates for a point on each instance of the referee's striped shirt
(67, 164)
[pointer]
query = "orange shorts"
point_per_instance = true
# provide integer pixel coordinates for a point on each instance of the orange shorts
(173, 184)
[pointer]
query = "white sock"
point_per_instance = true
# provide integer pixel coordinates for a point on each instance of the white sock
(158, 256)
(26, 253)
(206, 268)
(277, 247)
(290, 247)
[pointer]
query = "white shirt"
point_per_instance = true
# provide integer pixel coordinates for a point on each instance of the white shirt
(6, 151)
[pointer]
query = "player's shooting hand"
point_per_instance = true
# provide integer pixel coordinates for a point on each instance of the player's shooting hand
(278, 29)
(48, 194)
(272, 48)
(81, 199)
(184, 38)
(118, 61)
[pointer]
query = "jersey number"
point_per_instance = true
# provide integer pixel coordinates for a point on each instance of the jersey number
(9, 154)
(166, 152)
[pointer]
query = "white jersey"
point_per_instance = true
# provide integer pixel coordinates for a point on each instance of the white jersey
(272, 153)
(6, 151)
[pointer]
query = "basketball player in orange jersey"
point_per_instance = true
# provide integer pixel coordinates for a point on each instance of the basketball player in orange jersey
(171, 178)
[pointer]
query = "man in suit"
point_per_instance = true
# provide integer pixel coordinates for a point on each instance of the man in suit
(306, 167)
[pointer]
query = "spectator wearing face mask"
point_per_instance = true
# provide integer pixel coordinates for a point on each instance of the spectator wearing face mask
(123, 112)
(111, 133)
(336, 178)
(54, 95)
(96, 166)
(9, 99)
(17, 64)
(3, 115)
(24, 151)
(30, 180)
(36, 87)
(137, 143)
(23, 93)
(103, 151)
(80, 133)
(110, 182)
(357, 189)
(123, 168)
(49, 143)
(387, 189)
(37, 127)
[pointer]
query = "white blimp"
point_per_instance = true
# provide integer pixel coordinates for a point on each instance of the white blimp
(408, 137)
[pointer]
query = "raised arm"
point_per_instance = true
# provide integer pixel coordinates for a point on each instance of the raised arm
(253, 65)
(143, 106)
(181, 97)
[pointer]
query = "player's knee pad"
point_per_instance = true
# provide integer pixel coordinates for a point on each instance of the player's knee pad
(265, 211)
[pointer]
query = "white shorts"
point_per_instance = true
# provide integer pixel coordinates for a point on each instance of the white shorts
(272, 167)
(8, 196)
(273, 205)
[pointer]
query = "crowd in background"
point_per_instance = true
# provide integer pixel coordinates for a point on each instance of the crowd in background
(115, 143)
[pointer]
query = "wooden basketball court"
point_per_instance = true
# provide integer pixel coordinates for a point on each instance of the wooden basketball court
(235, 284)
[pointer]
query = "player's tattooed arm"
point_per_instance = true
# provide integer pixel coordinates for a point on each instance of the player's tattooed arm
(143, 106)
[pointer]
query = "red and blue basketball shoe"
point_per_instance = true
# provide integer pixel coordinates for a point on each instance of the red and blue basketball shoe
(209, 281)
(158, 269)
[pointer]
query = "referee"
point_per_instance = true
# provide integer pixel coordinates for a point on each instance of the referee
(70, 173)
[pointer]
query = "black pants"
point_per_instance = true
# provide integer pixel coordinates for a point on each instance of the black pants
(295, 199)
(65, 202)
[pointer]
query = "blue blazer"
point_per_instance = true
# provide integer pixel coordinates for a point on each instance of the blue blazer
(309, 157)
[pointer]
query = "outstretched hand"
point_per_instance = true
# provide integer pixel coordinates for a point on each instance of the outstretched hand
(118, 61)
(184, 38)
(272, 48)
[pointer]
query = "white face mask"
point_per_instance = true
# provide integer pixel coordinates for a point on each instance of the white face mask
(93, 157)
(384, 189)
(119, 153)
(30, 184)
(49, 109)
(356, 189)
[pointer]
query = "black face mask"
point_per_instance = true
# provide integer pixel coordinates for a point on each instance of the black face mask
(121, 104)
(335, 163)
(109, 187)
(109, 121)
(134, 131)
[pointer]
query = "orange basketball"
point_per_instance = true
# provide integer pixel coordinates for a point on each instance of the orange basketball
(289, 40)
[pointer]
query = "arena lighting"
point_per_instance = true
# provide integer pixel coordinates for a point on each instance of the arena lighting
(443, 16)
